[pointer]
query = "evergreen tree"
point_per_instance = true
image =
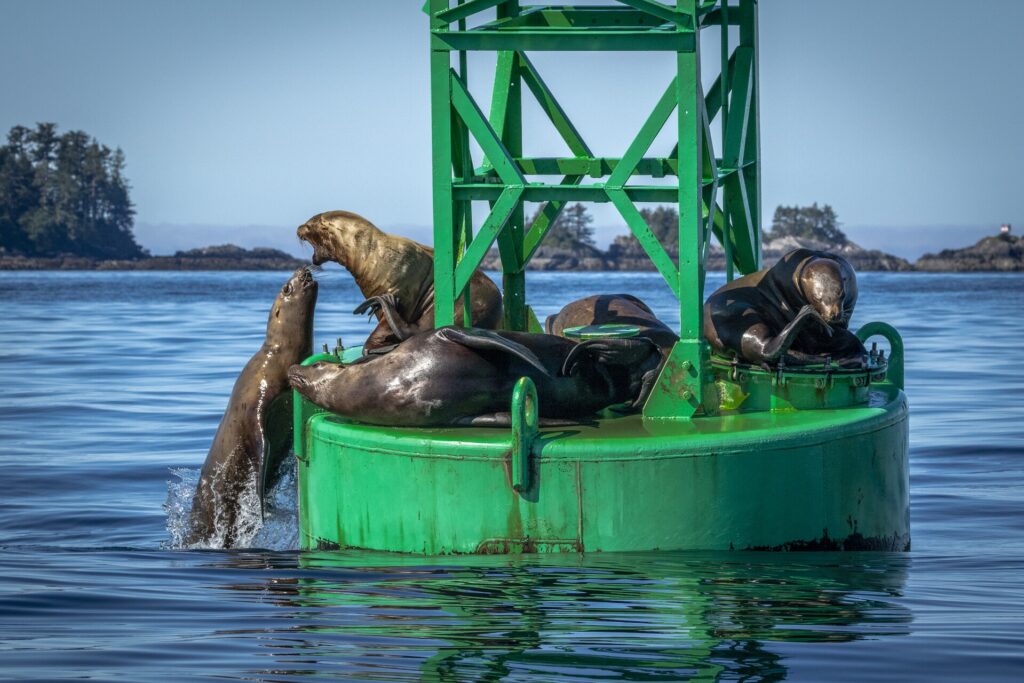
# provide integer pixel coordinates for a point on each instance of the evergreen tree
(664, 224)
(571, 229)
(64, 194)
(807, 222)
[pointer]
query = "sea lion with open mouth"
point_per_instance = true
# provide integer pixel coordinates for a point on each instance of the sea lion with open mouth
(796, 312)
(255, 434)
(387, 264)
(465, 376)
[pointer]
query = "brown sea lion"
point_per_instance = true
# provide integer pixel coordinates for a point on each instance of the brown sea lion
(465, 376)
(797, 311)
(388, 264)
(619, 309)
(255, 434)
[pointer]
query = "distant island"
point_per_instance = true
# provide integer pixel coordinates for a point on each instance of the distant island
(65, 205)
(223, 257)
(1002, 253)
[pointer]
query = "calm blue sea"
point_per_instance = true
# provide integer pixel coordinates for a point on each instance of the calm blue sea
(113, 384)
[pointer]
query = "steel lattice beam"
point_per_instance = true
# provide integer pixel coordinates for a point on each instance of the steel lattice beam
(717, 196)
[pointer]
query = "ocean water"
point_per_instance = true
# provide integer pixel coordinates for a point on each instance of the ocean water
(113, 385)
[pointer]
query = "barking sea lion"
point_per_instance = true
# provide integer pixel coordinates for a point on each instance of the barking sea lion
(619, 309)
(797, 311)
(254, 435)
(387, 264)
(453, 376)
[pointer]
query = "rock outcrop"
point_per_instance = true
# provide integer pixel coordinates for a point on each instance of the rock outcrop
(1001, 253)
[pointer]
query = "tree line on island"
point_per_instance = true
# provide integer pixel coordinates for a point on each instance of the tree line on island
(65, 203)
(572, 230)
(64, 193)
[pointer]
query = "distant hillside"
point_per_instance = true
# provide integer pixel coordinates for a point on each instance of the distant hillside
(1001, 253)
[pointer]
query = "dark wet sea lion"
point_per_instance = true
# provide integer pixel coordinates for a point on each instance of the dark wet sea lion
(388, 264)
(254, 435)
(619, 309)
(456, 376)
(797, 311)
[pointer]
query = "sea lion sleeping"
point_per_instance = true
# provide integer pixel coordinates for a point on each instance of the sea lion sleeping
(385, 264)
(255, 433)
(796, 312)
(619, 309)
(465, 376)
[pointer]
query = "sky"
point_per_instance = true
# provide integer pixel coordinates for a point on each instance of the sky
(241, 119)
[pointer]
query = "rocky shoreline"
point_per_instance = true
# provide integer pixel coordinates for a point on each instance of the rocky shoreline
(999, 253)
(624, 255)
(223, 257)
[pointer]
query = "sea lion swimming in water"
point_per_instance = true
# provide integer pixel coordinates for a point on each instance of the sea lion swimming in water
(619, 309)
(254, 435)
(465, 376)
(387, 264)
(797, 311)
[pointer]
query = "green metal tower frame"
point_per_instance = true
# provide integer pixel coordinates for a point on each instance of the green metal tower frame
(719, 195)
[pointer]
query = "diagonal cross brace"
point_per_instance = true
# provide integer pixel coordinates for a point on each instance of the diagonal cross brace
(560, 120)
(617, 195)
(489, 142)
(488, 233)
(642, 142)
(466, 9)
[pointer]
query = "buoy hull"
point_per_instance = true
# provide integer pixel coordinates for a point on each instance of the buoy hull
(833, 479)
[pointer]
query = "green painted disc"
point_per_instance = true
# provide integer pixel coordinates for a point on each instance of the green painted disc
(601, 331)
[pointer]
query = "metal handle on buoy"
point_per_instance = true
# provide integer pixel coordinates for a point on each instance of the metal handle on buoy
(524, 430)
(894, 369)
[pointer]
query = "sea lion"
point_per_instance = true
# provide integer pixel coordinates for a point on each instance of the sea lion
(620, 309)
(254, 435)
(388, 264)
(465, 376)
(796, 312)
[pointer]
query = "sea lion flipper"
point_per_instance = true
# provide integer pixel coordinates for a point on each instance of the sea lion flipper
(486, 340)
(277, 438)
(387, 305)
(628, 352)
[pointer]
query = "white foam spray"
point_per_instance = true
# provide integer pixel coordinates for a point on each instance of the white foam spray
(278, 529)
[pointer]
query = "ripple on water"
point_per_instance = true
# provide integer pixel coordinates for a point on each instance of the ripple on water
(114, 388)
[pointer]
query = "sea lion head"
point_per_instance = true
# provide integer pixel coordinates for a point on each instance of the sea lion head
(334, 235)
(291, 317)
(315, 381)
(830, 286)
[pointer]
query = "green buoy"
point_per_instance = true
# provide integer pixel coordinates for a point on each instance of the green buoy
(723, 456)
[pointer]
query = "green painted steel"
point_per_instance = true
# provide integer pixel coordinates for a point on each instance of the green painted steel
(814, 457)
(832, 478)
(716, 195)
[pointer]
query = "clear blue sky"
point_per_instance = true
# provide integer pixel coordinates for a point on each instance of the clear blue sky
(241, 119)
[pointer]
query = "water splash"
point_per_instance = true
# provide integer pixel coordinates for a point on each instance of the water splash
(277, 530)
